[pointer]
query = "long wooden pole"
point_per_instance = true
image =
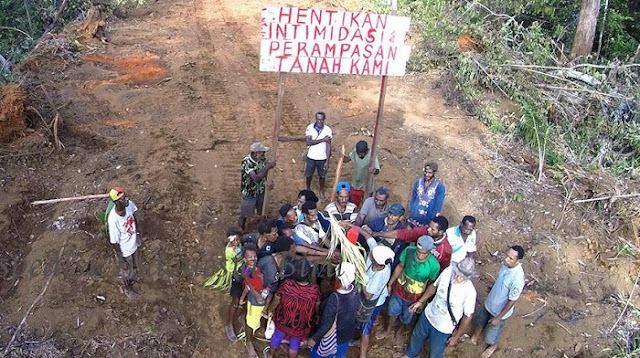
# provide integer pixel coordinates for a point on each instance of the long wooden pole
(376, 133)
(276, 133)
(73, 198)
(338, 175)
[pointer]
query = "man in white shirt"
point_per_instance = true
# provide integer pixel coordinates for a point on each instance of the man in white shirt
(462, 239)
(448, 316)
(123, 233)
(318, 138)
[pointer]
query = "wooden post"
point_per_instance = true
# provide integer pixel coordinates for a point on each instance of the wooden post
(276, 133)
(376, 133)
(376, 130)
(332, 197)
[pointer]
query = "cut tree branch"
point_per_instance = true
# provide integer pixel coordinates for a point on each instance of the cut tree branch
(606, 67)
(16, 29)
(72, 198)
(582, 88)
(625, 196)
(602, 26)
(53, 23)
(491, 78)
(5, 64)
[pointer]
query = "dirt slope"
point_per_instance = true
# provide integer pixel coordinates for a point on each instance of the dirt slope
(168, 108)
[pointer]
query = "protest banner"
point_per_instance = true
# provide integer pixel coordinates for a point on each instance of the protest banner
(330, 41)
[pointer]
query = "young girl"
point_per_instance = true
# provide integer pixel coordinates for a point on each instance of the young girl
(233, 256)
(255, 293)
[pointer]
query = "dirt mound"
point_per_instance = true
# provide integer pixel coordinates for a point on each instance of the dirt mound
(136, 69)
(12, 99)
(466, 42)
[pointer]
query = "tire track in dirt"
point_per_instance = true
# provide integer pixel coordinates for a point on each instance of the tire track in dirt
(226, 129)
(238, 41)
(251, 100)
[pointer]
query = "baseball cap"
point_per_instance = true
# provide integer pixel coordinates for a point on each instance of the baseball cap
(425, 242)
(381, 254)
(116, 193)
(466, 268)
(396, 209)
(343, 185)
(346, 273)
(258, 147)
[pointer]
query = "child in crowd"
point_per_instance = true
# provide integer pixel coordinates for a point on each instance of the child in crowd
(233, 256)
(255, 293)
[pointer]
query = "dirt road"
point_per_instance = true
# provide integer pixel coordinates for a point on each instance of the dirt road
(168, 109)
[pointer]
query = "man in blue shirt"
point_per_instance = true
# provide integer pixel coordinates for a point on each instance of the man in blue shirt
(427, 197)
(499, 305)
(389, 222)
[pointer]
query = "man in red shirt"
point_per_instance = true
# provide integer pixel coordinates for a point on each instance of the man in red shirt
(436, 230)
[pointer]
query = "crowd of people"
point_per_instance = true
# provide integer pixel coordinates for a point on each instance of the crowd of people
(297, 293)
(290, 289)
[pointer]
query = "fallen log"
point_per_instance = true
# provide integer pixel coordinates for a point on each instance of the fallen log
(580, 76)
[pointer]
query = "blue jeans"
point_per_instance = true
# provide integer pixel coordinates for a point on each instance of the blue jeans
(399, 307)
(491, 333)
(422, 332)
(367, 327)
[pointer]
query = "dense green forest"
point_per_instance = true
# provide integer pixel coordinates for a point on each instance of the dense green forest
(578, 107)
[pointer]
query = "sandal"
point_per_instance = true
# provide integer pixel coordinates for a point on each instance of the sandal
(230, 333)
(261, 339)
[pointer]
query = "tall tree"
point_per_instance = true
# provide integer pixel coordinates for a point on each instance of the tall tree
(586, 30)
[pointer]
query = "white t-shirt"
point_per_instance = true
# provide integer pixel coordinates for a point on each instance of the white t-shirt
(460, 248)
(122, 230)
(377, 280)
(462, 300)
(308, 234)
(318, 151)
